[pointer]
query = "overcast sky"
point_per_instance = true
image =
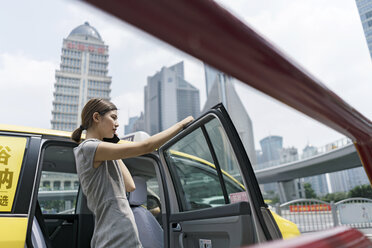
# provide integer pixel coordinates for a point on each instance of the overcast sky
(324, 37)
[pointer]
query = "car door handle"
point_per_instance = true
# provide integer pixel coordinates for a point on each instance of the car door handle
(176, 227)
(66, 223)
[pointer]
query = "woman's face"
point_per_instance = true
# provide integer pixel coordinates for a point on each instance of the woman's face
(109, 124)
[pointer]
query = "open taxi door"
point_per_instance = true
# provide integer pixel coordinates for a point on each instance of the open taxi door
(214, 199)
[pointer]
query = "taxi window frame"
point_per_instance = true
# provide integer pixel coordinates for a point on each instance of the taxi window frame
(45, 141)
(173, 173)
(208, 116)
(44, 145)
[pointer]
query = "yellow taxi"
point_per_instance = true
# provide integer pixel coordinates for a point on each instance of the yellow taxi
(201, 183)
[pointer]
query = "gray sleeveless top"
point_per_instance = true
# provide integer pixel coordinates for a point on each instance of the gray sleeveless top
(106, 198)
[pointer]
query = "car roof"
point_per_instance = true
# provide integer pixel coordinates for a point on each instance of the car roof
(33, 130)
(41, 131)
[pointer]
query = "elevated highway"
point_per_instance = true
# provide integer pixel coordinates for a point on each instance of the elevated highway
(342, 158)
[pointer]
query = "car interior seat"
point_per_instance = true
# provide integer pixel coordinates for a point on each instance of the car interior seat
(150, 232)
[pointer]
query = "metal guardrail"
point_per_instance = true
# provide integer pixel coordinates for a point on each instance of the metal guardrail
(314, 215)
(361, 209)
(308, 214)
(333, 145)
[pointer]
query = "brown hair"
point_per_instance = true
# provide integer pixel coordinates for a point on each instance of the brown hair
(93, 105)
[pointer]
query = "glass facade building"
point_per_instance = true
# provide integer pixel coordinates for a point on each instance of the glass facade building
(220, 89)
(169, 98)
(318, 183)
(365, 13)
(271, 147)
(82, 76)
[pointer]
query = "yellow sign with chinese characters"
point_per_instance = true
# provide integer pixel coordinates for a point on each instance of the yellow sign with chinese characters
(12, 150)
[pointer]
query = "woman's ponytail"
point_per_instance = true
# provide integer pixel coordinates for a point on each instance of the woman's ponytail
(76, 135)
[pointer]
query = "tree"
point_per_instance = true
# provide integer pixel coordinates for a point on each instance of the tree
(271, 197)
(275, 200)
(338, 196)
(361, 191)
(309, 192)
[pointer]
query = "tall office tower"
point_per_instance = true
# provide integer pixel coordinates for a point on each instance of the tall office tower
(259, 157)
(343, 181)
(169, 98)
(135, 124)
(365, 13)
(318, 183)
(288, 155)
(357, 177)
(338, 181)
(271, 148)
(211, 76)
(82, 76)
(129, 128)
(309, 151)
(220, 88)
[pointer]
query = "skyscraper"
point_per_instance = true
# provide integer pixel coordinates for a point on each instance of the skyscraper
(271, 147)
(129, 128)
(365, 13)
(82, 76)
(343, 181)
(211, 76)
(220, 88)
(288, 155)
(318, 183)
(169, 98)
(135, 124)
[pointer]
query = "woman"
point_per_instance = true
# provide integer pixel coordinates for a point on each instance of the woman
(103, 176)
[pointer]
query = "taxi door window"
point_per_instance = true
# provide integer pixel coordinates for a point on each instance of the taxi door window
(204, 168)
(59, 181)
(227, 160)
(195, 177)
(194, 144)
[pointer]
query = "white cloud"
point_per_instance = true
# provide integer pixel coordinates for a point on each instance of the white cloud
(26, 90)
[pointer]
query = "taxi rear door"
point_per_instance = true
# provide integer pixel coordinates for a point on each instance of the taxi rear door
(56, 192)
(214, 199)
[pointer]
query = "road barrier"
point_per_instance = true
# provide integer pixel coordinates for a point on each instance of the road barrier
(310, 208)
(314, 215)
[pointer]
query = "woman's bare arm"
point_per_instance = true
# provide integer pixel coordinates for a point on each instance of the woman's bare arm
(111, 151)
(128, 180)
